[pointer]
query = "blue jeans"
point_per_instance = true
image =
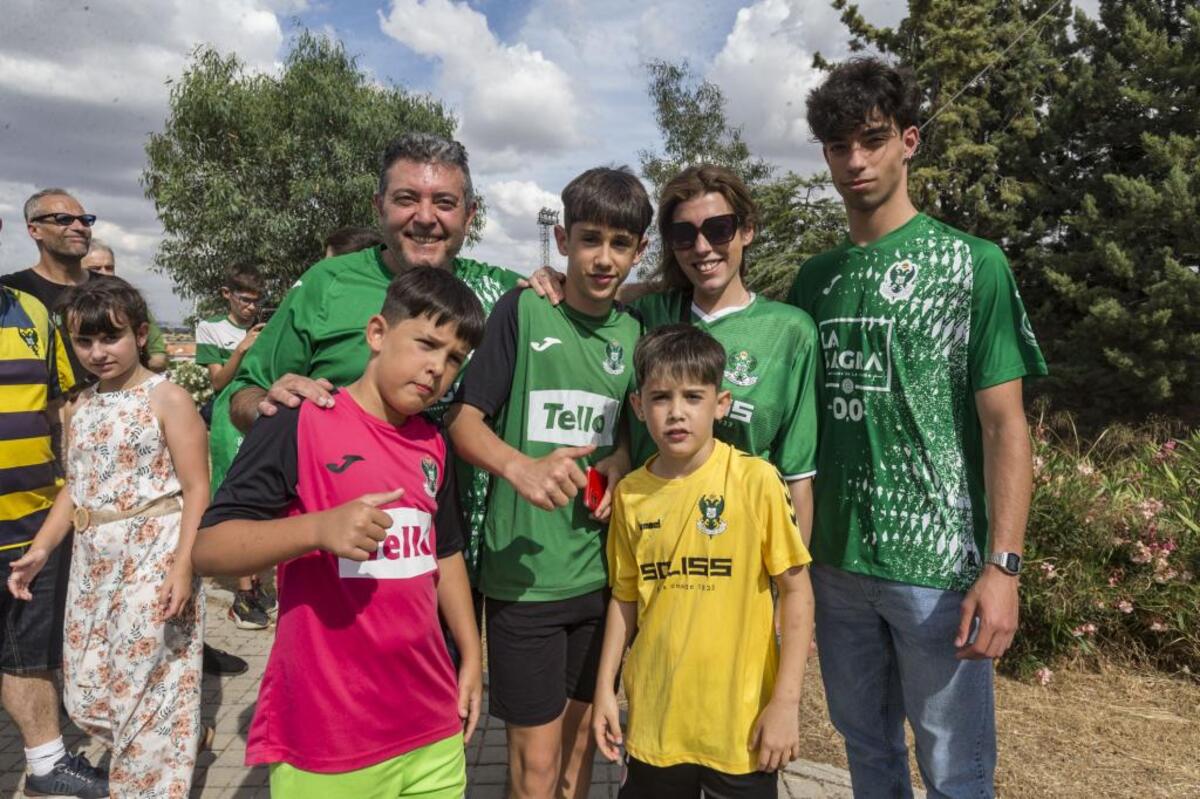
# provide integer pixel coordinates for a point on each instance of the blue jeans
(887, 653)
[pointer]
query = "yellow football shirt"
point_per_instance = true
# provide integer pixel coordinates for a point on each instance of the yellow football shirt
(696, 554)
(33, 370)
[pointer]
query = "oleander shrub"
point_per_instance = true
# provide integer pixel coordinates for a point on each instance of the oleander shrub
(193, 378)
(1113, 549)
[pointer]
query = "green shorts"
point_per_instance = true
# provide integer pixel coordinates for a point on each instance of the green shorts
(435, 771)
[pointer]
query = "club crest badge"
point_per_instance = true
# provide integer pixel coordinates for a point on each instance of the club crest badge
(30, 337)
(899, 281)
(739, 368)
(429, 468)
(614, 358)
(711, 508)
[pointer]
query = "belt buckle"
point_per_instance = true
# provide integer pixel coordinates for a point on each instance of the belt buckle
(83, 518)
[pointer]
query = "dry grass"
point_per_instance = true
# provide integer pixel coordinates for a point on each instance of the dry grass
(1115, 733)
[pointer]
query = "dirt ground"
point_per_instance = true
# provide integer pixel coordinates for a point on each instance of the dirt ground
(1116, 732)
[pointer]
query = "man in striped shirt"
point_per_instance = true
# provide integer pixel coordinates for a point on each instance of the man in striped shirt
(34, 373)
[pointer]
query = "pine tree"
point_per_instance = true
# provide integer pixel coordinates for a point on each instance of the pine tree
(1122, 267)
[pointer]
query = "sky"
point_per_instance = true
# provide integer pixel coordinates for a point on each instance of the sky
(543, 89)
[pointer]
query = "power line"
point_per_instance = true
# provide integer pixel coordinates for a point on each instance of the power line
(999, 58)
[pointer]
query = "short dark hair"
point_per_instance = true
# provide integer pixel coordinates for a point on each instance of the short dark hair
(244, 277)
(427, 148)
(689, 184)
(35, 199)
(102, 306)
(679, 352)
(352, 239)
(611, 196)
(436, 293)
(858, 89)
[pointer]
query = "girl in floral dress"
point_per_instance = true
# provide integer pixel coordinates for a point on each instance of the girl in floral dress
(137, 484)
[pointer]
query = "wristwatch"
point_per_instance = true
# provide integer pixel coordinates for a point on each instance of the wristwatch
(1009, 562)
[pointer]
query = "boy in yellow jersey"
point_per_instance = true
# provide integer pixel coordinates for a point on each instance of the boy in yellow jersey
(696, 537)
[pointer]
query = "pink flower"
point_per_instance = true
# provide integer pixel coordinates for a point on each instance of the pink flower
(1085, 469)
(1149, 508)
(1043, 676)
(1039, 463)
(1048, 570)
(1166, 451)
(1084, 629)
(1158, 626)
(1141, 553)
(1125, 606)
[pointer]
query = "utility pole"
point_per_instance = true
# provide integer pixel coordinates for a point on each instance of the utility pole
(546, 220)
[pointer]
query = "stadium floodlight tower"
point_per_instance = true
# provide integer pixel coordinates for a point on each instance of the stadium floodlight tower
(547, 219)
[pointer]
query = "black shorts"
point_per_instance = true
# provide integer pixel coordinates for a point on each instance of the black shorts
(31, 632)
(540, 654)
(687, 780)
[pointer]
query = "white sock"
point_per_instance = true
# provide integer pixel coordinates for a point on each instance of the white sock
(42, 758)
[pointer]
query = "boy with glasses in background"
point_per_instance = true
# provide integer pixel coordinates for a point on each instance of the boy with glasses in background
(221, 342)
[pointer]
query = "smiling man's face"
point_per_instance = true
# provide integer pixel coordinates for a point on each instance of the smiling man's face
(423, 213)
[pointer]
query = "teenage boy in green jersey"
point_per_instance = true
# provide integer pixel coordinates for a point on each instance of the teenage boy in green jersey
(698, 535)
(924, 463)
(542, 403)
(425, 204)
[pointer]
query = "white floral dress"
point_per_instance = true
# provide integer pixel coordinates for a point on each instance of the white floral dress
(130, 678)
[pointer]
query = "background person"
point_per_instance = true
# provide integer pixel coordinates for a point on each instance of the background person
(346, 240)
(62, 231)
(222, 342)
(34, 376)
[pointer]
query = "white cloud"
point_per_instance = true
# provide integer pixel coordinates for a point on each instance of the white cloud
(514, 102)
(511, 236)
(765, 71)
(83, 85)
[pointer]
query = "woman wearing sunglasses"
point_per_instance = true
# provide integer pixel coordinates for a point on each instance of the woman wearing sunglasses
(706, 220)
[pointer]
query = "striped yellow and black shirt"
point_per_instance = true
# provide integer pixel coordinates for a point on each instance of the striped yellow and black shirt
(33, 370)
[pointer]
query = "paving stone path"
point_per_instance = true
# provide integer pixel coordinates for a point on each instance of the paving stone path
(229, 706)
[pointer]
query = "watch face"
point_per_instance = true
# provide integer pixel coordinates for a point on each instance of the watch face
(1012, 562)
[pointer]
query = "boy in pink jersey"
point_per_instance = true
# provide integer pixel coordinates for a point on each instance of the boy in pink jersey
(357, 504)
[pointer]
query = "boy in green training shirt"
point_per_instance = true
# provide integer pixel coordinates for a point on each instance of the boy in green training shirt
(543, 402)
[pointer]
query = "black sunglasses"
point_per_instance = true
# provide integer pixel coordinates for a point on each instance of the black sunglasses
(717, 230)
(65, 220)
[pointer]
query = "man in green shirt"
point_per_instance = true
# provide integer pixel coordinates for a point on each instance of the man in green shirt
(924, 470)
(425, 204)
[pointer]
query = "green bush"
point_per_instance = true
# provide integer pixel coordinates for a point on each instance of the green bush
(193, 378)
(1113, 549)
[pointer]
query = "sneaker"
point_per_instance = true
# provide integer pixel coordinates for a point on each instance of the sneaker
(72, 775)
(245, 612)
(218, 661)
(267, 600)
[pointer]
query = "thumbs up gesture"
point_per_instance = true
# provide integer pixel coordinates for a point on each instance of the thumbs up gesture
(354, 530)
(553, 480)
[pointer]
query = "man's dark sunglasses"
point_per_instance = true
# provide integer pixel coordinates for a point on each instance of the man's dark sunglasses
(66, 220)
(717, 230)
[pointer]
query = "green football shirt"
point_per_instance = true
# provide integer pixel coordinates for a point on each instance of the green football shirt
(547, 376)
(911, 326)
(771, 369)
(318, 331)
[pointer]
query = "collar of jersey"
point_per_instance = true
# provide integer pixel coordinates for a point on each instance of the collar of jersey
(718, 451)
(886, 239)
(724, 312)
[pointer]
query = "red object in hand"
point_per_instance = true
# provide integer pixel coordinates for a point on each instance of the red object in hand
(597, 484)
